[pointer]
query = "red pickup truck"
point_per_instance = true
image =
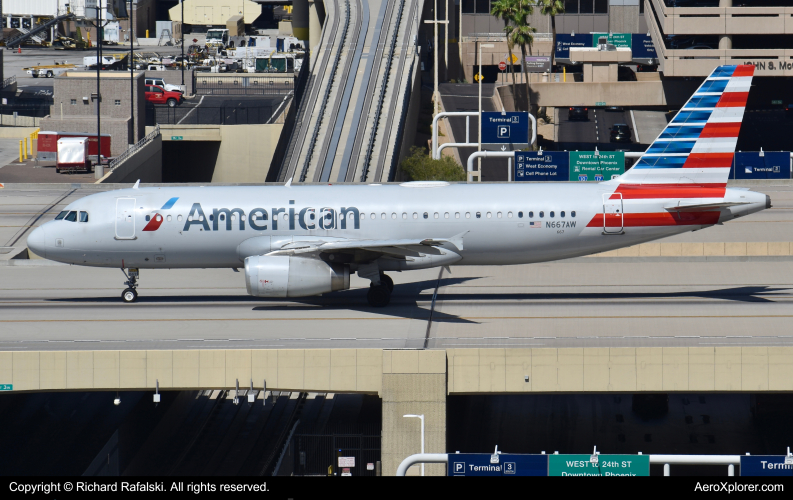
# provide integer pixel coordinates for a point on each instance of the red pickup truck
(158, 95)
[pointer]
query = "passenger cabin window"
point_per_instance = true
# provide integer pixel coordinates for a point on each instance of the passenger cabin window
(404, 215)
(61, 215)
(561, 214)
(572, 214)
(168, 218)
(520, 215)
(467, 215)
(426, 215)
(551, 214)
(479, 215)
(179, 218)
(415, 215)
(456, 215)
(542, 214)
(72, 217)
(531, 215)
(83, 216)
(489, 215)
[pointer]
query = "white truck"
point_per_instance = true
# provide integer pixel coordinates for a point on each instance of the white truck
(217, 38)
(159, 82)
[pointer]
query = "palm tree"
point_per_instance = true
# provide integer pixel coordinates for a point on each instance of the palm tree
(551, 8)
(522, 34)
(506, 10)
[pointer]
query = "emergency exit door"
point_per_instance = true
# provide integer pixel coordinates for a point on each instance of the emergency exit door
(613, 217)
(125, 219)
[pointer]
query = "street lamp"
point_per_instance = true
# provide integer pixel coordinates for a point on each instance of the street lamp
(422, 435)
(132, 72)
(479, 160)
(435, 94)
(181, 31)
(97, 22)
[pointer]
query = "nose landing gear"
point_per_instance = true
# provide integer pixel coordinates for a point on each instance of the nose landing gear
(130, 294)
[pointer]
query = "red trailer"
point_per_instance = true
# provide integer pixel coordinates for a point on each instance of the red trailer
(48, 144)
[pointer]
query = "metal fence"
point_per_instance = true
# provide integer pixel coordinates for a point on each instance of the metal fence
(233, 84)
(314, 453)
(134, 149)
(209, 115)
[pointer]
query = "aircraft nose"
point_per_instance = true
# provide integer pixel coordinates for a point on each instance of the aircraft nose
(36, 242)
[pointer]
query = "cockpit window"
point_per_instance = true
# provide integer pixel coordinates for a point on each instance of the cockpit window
(72, 217)
(83, 216)
(61, 215)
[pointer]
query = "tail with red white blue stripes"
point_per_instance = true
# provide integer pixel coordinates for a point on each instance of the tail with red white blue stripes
(697, 147)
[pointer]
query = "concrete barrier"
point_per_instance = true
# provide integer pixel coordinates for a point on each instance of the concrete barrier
(145, 164)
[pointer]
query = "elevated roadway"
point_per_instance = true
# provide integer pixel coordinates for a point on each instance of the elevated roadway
(348, 125)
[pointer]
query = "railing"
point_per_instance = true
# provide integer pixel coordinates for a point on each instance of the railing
(9, 81)
(471, 37)
(209, 115)
(134, 149)
(235, 84)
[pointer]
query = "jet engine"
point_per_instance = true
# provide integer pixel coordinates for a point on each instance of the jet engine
(289, 276)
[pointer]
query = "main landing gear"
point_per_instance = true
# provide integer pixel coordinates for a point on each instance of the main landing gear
(130, 294)
(380, 295)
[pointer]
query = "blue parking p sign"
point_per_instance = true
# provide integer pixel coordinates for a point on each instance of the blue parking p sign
(509, 129)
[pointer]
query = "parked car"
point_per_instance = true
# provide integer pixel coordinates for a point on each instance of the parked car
(159, 82)
(158, 95)
(620, 132)
(578, 113)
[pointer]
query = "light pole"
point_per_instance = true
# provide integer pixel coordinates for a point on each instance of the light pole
(422, 432)
(479, 161)
(132, 73)
(99, 36)
(181, 30)
(436, 94)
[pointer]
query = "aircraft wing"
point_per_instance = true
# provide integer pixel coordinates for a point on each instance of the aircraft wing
(395, 247)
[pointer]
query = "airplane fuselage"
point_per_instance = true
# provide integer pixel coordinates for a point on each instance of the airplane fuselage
(201, 227)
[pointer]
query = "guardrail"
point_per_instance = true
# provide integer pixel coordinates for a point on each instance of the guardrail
(9, 81)
(134, 149)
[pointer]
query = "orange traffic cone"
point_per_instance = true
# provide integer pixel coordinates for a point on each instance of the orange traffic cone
(20, 50)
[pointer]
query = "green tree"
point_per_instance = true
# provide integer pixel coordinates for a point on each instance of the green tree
(507, 10)
(419, 166)
(522, 34)
(551, 8)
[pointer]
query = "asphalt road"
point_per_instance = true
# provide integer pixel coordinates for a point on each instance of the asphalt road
(585, 135)
(634, 302)
(465, 97)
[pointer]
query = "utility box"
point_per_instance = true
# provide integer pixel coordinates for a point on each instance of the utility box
(236, 26)
(73, 154)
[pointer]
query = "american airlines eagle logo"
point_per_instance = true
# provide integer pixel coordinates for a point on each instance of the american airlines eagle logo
(155, 220)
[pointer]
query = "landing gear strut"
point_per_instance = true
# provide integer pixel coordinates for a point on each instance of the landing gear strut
(380, 295)
(130, 294)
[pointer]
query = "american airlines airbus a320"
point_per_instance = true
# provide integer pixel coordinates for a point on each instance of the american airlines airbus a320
(296, 241)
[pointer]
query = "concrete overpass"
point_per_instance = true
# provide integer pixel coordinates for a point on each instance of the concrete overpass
(409, 381)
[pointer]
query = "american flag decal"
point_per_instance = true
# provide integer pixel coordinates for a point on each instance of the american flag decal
(535, 225)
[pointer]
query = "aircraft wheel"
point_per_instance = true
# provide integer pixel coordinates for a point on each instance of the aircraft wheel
(129, 295)
(378, 296)
(387, 281)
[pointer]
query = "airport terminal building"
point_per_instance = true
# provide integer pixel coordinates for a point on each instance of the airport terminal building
(689, 37)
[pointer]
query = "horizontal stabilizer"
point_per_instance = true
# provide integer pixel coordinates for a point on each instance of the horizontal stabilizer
(696, 207)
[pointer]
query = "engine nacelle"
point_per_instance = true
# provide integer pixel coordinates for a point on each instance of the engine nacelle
(285, 276)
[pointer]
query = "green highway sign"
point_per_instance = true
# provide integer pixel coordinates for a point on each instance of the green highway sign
(585, 166)
(776, 102)
(177, 137)
(6, 387)
(600, 103)
(607, 465)
(617, 39)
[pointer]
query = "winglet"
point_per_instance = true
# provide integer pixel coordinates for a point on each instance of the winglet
(136, 185)
(288, 183)
(457, 240)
